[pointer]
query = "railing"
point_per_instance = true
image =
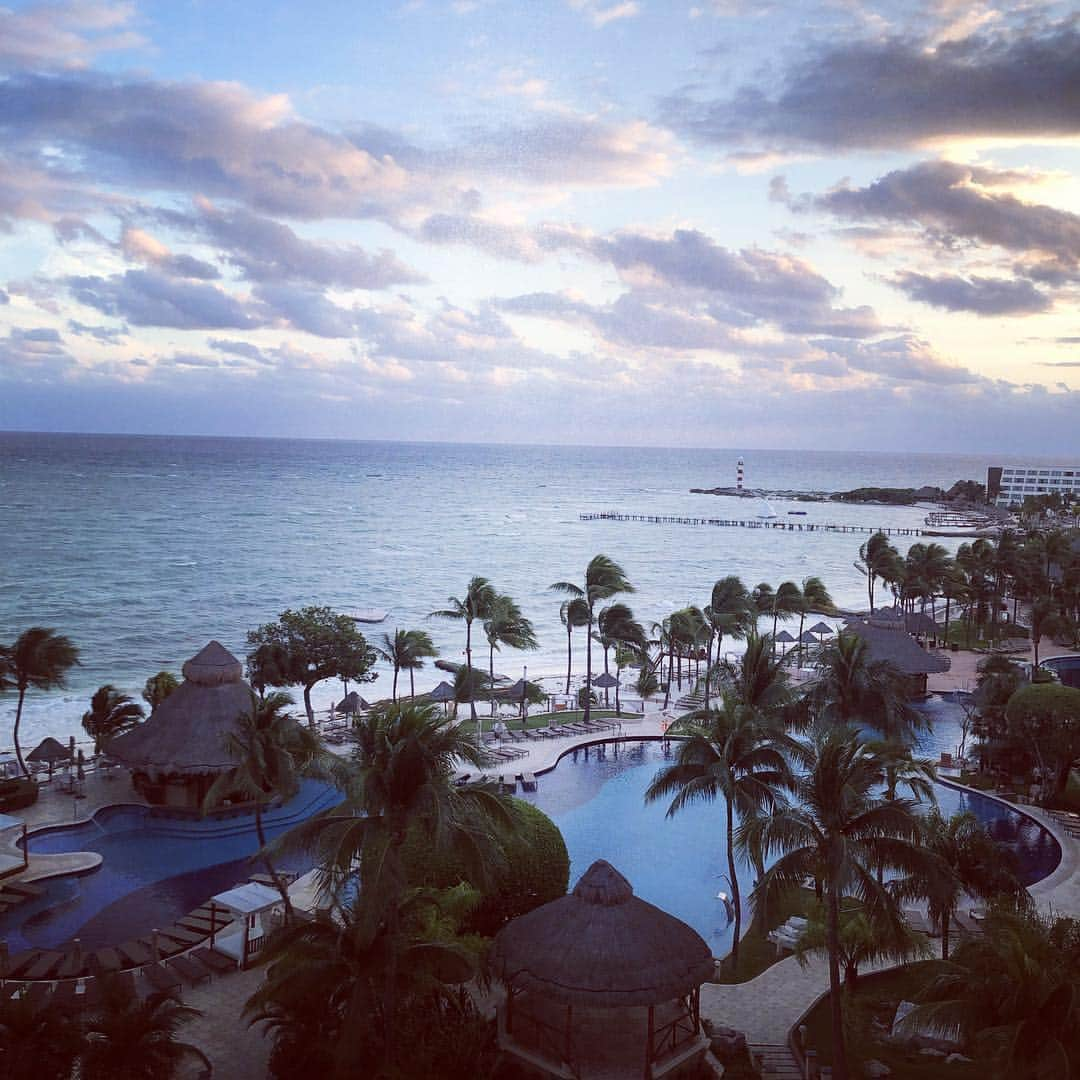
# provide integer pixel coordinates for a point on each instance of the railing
(552, 1041)
(666, 1038)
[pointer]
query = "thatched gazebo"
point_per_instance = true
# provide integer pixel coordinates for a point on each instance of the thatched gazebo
(887, 637)
(601, 982)
(177, 753)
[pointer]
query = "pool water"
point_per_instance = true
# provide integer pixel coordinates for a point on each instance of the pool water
(155, 870)
(1067, 669)
(596, 797)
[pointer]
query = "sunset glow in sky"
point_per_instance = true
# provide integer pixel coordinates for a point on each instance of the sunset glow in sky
(714, 223)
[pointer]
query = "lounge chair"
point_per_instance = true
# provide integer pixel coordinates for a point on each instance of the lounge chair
(183, 935)
(134, 954)
(105, 962)
(166, 946)
(189, 969)
(43, 967)
(216, 961)
(163, 979)
(72, 966)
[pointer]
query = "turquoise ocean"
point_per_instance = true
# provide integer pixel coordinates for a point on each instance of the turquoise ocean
(143, 548)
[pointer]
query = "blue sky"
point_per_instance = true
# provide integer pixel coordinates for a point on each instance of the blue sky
(584, 221)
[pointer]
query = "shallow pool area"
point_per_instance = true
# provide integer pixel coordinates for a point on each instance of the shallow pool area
(596, 797)
(156, 867)
(1067, 669)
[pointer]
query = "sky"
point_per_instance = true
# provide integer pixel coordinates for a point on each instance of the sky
(837, 225)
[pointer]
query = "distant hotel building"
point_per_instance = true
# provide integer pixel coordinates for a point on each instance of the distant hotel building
(1009, 485)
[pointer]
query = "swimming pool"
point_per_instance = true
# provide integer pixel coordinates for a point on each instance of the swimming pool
(596, 797)
(155, 870)
(1067, 669)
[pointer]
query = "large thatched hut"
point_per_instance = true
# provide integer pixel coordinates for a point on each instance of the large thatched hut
(601, 983)
(887, 638)
(176, 755)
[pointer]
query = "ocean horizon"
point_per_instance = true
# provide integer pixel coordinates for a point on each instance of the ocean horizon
(143, 548)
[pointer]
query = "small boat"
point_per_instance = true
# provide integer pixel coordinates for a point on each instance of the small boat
(766, 513)
(960, 523)
(370, 615)
(797, 513)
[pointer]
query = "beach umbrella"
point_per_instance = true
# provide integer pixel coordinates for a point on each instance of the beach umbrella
(50, 751)
(605, 681)
(807, 638)
(785, 639)
(821, 628)
(443, 692)
(352, 703)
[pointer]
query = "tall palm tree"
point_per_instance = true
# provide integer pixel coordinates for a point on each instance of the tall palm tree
(505, 625)
(479, 597)
(406, 651)
(129, 1039)
(731, 753)
(572, 613)
(838, 830)
(727, 612)
(604, 579)
(38, 1040)
(877, 559)
(157, 688)
(758, 680)
(786, 601)
(110, 713)
(615, 626)
(271, 751)
(40, 658)
(814, 599)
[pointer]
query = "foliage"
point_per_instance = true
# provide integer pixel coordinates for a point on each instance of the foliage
(406, 651)
(1014, 992)
(1046, 717)
(157, 688)
(479, 599)
(535, 869)
(111, 713)
(305, 647)
(37, 1043)
(40, 659)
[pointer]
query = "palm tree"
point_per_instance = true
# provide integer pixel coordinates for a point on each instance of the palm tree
(727, 612)
(851, 688)
(37, 1041)
(110, 713)
(786, 601)
(815, 599)
(603, 580)
(572, 613)
(1014, 993)
(615, 626)
(757, 680)
(406, 651)
(157, 688)
(505, 625)
(731, 753)
(40, 658)
(271, 751)
(969, 863)
(877, 559)
(1044, 619)
(129, 1039)
(479, 597)
(839, 831)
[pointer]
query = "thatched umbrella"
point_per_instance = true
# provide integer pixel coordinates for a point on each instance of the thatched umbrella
(785, 638)
(822, 629)
(600, 947)
(51, 751)
(352, 703)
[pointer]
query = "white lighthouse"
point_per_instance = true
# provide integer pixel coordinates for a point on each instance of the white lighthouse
(739, 475)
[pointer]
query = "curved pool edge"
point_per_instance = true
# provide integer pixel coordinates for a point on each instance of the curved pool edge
(1068, 857)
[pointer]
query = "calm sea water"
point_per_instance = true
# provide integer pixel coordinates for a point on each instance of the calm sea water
(141, 549)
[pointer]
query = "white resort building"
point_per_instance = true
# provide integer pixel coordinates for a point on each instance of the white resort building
(1009, 485)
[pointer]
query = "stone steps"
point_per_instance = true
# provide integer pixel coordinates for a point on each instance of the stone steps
(777, 1062)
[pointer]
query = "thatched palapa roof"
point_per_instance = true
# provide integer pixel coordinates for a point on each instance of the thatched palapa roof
(601, 945)
(886, 638)
(49, 750)
(186, 733)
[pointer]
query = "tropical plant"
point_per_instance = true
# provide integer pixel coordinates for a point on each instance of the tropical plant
(505, 625)
(839, 831)
(969, 863)
(111, 713)
(39, 659)
(1044, 718)
(1014, 993)
(869, 934)
(305, 647)
(815, 599)
(1045, 619)
(615, 626)
(157, 688)
(479, 598)
(271, 752)
(406, 651)
(133, 1039)
(877, 559)
(603, 580)
(786, 601)
(572, 613)
(757, 680)
(731, 754)
(37, 1042)
(727, 612)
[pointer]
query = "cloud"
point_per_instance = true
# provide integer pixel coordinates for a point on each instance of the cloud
(982, 296)
(33, 354)
(906, 358)
(108, 335)
(268, 251)
(4, 298)
(64, 35)
(148, 298)
(895, 92)
(140, 246)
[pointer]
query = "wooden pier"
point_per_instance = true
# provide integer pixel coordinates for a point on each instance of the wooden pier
(748, 523)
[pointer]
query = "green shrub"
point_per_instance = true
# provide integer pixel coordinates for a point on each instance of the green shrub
(17, 794)
(536, 869)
